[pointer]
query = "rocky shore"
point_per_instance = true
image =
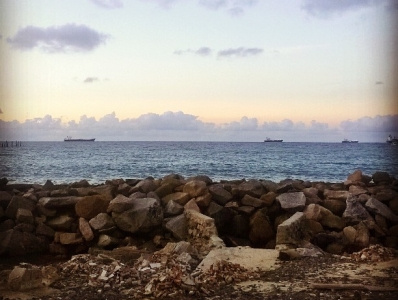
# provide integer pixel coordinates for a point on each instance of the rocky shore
(187, 237)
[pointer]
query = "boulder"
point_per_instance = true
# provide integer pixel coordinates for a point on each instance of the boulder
(252, 201)
(24, 215)
(219, 194)
(337, 195)
(192, 205)
(167, 187)
(335, 206)
(261, 229)
(61, 222)
(107, 241)
(355, 212)
(58, 202)
(101, 221)
(44, 230)
(85, 230)
(70, 238)
(120, 204)
(16, 203)
(380, 208)
(178, 227)
(240, 226)
(221, 216)
(203, 200)
(251, 187)
(355, 177)
(381, 177)
(290, 233)
(22, 279)
(14, 242)
(145, 186)
(292, 202)
(172, 209)
(195, 188)
(268, 198)
(178, 197)
(146, 214)
(356, 190)
(90, 206)
(324, 216)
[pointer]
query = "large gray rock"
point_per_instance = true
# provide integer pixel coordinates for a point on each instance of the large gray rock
(173, 209)
(324, 216)
(90, 206)
(195, 188)
(16, 203)
(61, 222)
(178, 197)
(58, 202)
(101, 221)
(252, 201)
(251, 187)
(219, 194)
(146, 214)
(120, 204)
(355, 212)
(178, 226)
(290, 233)
(338, 195)
(14, 242)
(380, 208)
(261, 229)
(292, 202)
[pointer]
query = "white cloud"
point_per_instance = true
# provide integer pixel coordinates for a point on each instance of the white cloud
(55, 39)
(177, 126)
(240, 52)
(108, 4)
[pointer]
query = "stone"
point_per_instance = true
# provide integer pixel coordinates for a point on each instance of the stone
(240, 226)
(22, 279)
(61, 222)
(261, 229)
(90, 206)
(357, 190)
(146, 214)
(70, 238)
(310, 192)
(290, 233)
(335, 206)
(24, 215)
(106, 241)
(58, 202)
(251, 187)
(355, 212)
(292, 202)
(219, 194)
(252, 201)
(203, 200)
(221, 216)
(333, 222)
(268, 198)
(386, 195)
(178, 227)
(167, 187)
(337, 195)
(146, 186)
(195, 188)
(120, 204)
(356, 176)
(192, 205)
(179, 197)
(172, 209)
(249, 258)
(101, 222)
(16, 203)
(43, 229)
(381, 177)
(85, 230)
(380, 208)
(15, 243)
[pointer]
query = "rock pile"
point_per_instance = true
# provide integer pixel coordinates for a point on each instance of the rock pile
(292, 214)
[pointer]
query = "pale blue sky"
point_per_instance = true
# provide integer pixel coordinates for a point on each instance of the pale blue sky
(303, 70)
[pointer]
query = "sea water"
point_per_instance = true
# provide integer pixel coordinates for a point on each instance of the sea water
(66, 162)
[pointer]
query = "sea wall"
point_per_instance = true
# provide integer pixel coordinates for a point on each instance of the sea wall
(291, 214)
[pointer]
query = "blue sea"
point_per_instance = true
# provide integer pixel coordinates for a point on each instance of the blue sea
(67, 162)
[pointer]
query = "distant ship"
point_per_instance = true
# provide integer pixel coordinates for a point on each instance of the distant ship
(345, 141)
(268, 140)
(69, 139)
(392, 140)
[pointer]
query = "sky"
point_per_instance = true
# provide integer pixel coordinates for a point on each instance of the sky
(199, 70)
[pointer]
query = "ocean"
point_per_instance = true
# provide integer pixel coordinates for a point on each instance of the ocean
(67, 162)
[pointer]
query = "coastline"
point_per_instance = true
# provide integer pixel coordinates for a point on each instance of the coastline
(290, 220)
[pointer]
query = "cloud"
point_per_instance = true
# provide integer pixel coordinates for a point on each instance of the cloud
(65, 38)
(387, 123)
(326, 8)
(202, 51)
(240, 52)
(379, 82)
(90, 79)
(108, 4)
(177, 126)
(163, 3)
(233, 7)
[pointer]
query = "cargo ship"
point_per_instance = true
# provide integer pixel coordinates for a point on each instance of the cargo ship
(69, 139)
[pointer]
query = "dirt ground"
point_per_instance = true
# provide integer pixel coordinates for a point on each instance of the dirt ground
(359, 276)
